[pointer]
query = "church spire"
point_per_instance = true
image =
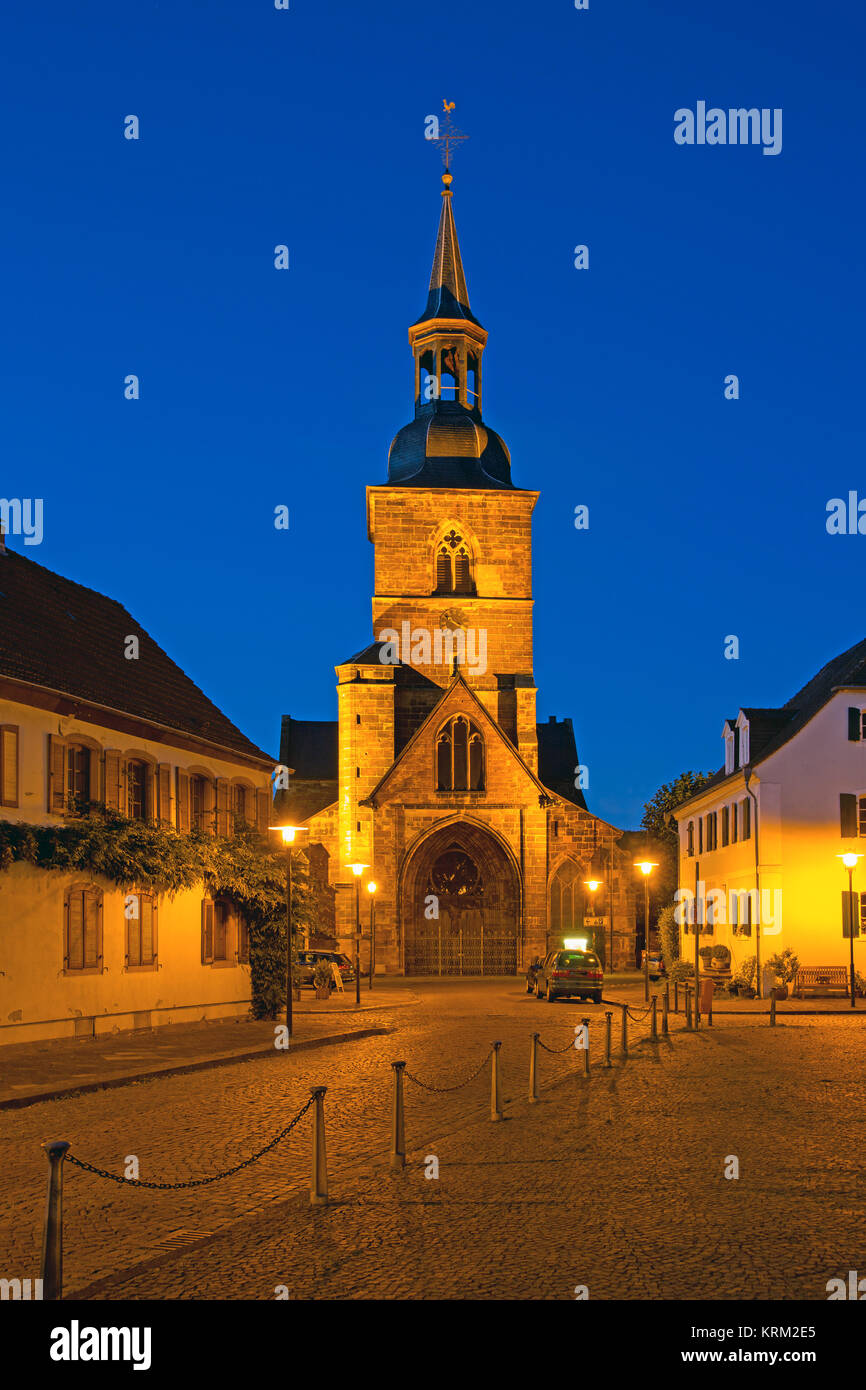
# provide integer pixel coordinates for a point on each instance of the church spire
(447, 296)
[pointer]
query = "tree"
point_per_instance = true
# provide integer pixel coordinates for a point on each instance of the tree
(659, 822)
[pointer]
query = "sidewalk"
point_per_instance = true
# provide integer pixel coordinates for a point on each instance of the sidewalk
(627, 987)
(47, 1070)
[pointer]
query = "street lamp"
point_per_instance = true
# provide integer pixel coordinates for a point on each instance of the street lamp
(371, 889)
(357, 870)
(850, 861)
(646, 867)
(288, 833)
(593, 884)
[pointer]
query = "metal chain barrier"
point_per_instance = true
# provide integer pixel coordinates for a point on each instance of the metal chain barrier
(555, 1050)
(442, 1089)
(193, 1182)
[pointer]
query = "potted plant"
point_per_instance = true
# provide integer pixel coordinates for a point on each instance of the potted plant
(706, 955)
(745, 978)
(323, 979)
(721, 958)
(784, 966)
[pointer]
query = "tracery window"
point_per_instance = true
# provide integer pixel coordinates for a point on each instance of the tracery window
(460, 756)
(454, 566)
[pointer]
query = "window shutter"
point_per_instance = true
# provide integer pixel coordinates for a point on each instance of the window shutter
(443, 572)
(854, 725)
(8, 765)
(182, 800)
(67, 908)
(206, 932)
(263, 809)
(113, 790)
(848, 815)
(129, 924)
(91, 930)
(146, 910)
(56, 775)
(222, 806)
(846, 915)
(164, 783)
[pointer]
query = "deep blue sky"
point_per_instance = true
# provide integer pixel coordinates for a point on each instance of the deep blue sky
(259, 387)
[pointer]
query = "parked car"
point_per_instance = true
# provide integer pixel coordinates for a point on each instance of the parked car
(531, 972)
(656, 963)
(569, 974)
(308, 960)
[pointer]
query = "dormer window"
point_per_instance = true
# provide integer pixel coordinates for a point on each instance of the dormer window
(744, 745)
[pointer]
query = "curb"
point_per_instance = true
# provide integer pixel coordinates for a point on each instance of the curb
(179, 1069)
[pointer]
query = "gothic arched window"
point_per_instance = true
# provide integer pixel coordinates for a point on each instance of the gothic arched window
(454, 566)
(566, 903)
(460, 756)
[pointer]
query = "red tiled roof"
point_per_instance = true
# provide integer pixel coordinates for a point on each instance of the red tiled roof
(59, 635)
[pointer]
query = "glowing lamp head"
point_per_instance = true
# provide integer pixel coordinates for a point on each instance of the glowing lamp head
(850, 859)
(593, 884)
(371, 887)
(288, 832)
(646, 867)
(358, 869)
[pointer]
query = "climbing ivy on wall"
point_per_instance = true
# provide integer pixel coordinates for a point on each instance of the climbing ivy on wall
(136, 855)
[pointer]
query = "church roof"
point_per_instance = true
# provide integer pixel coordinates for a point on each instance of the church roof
(447, 445)
(557, 759)
(67, 640)
(447, 297)
(310, 747)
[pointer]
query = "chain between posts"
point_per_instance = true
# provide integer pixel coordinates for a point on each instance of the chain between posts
(192, 1182)
(442, 1089)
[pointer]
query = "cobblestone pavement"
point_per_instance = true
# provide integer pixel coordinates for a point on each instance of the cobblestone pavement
(615, 1182)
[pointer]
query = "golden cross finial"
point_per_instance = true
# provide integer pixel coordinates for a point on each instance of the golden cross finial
(449, 135)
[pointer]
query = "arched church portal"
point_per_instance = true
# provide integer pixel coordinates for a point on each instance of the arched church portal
(460, 904)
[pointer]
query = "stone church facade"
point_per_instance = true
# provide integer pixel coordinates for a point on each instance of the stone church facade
(436, 775)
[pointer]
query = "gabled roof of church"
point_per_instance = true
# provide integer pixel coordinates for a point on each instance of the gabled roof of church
(310, 747)
(64, 639)
(557, 759)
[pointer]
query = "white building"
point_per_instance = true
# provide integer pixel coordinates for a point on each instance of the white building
(760, 844)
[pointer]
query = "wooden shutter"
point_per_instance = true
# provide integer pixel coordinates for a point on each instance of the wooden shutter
(147, 910)
(846, 914)
(8, 765)
(854, 725)
(848, 815)
(91, 930)
(182, 800)
(223, 789)
(206, 932)
(56, 775)
(263, 809)
(113, 787)
(164, 793)
(74, 929)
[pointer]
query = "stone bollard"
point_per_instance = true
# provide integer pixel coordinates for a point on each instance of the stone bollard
(533, 1070)
(665, 1008)
(51, 1269)
(608, 1037)
(398, 1119)
(624, 1008)
(773, 1009)
(319, 1178)
(585, 1024)
(495, 1102)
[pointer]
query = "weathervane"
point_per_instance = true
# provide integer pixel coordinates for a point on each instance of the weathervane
(449, 135)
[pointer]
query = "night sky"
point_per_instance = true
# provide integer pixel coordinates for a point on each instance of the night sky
(261, 387)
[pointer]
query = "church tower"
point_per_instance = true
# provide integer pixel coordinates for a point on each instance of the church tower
(452, 534)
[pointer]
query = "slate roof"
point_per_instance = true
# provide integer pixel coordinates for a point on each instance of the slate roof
(310, 746)
(447, 297)
(557, 759)
(64, 637)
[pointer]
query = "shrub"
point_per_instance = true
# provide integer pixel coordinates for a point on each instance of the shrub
(679, 971)
(669, 936)
(706, 955)
(722, 955)
(746, 973)
(322, 975)
(784, 965)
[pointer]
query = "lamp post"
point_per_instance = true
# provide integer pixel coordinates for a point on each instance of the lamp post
(371, 889)
(646, 867)
(357, 870)
(288, 833)
(850, 861)
(593, 884)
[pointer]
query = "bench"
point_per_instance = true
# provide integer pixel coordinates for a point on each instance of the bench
(822, 979)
